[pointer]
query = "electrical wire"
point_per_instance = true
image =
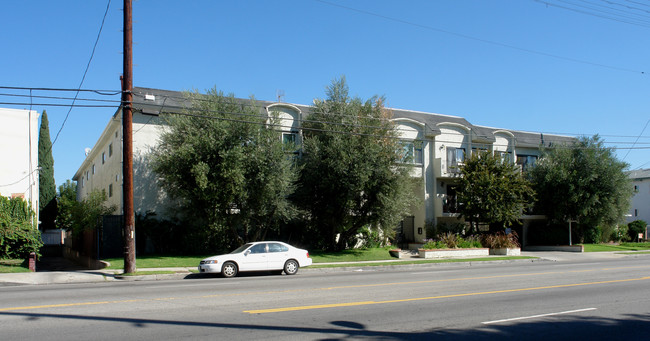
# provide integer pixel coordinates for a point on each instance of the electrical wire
(635, 141)
(491, 42)
(83, 78)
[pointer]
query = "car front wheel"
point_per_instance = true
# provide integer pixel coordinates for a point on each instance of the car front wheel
(229, 269)
(291, 267)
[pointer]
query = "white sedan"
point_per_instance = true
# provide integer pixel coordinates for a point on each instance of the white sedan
(258, 256)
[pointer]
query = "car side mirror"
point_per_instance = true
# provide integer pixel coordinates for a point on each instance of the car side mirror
(247, 252)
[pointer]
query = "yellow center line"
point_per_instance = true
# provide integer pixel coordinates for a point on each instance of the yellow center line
(349, 304)
(274, 292)
(66, 305)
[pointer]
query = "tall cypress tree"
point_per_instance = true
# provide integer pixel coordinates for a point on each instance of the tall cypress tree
(46, 184)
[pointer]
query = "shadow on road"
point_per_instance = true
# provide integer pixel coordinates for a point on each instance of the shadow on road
(631, 327)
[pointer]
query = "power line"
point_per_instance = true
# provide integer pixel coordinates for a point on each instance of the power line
(60, 98)
(611, 16)
(99, 92)
(83, 78)
(513, 47)
(635, 141)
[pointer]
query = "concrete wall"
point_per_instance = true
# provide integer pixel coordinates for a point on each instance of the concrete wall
(19, 154)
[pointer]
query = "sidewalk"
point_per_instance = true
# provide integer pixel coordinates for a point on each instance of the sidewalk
(94, 276)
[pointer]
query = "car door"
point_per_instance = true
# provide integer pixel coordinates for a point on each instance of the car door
(277, 255)
(255, 258)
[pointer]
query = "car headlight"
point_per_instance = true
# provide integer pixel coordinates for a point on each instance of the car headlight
(209, 262)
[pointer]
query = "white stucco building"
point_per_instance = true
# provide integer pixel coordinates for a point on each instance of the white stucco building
(640, 208)
(437, 144)
(19, 155)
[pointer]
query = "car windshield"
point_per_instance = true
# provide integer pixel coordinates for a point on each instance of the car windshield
(242, 248)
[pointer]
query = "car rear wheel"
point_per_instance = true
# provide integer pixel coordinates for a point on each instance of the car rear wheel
(229, 269)
(291, 267)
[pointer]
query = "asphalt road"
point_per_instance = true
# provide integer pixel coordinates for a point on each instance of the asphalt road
(597, 300)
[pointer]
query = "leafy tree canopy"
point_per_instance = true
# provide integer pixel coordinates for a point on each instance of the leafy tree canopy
(583, 182)
(349, 177)
(492, 190)
(224, 162)
(77, 216)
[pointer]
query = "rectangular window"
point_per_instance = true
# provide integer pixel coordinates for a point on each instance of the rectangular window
(289, 142)
(526, 161)
(93, 169)
(87, 175)
(455, 158)
(110, 190)
(505, 156)
(636, 189)
(103, 157)
(636, 212)
(411, 152)
(110, 150)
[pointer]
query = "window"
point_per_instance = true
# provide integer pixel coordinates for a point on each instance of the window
(103, 157)
(479, 150)
(259, 248)
(411, 152)
(526, 161)
(275, 247)
(289, 138)
(455, 157)
(636, 189)
(505, 156)
(636, 212)
(87, 175)
(93, 169)
(110, 150)
(110, 190)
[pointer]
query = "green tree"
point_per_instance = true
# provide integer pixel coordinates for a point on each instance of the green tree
(77, 216)
(492, 190)
(46, 184)
(224, 162)
(583, 182)
(67, 204)
(349, 177)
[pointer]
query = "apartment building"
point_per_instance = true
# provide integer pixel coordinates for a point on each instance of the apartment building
(19, 153)
(437, 144)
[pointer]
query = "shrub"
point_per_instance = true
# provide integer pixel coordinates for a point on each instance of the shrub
(431, 244)
(471, 242)
(500, 240)
(452, 241)
(371, 238)
(636, 227)
(593, 235)
(18, 237)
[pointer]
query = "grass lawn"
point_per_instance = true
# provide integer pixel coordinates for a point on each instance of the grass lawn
(356, 255)
(13, 265)
(158, 261)
(445, 260)
(614, 247)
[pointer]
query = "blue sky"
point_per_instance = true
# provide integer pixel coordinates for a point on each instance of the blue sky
(543, 66)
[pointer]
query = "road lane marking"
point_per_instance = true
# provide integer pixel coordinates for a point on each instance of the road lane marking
(537, 316)
(306, 290)
(67, 305)
(348, 304)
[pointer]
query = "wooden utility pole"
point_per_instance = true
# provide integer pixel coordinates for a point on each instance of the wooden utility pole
(127, 144)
